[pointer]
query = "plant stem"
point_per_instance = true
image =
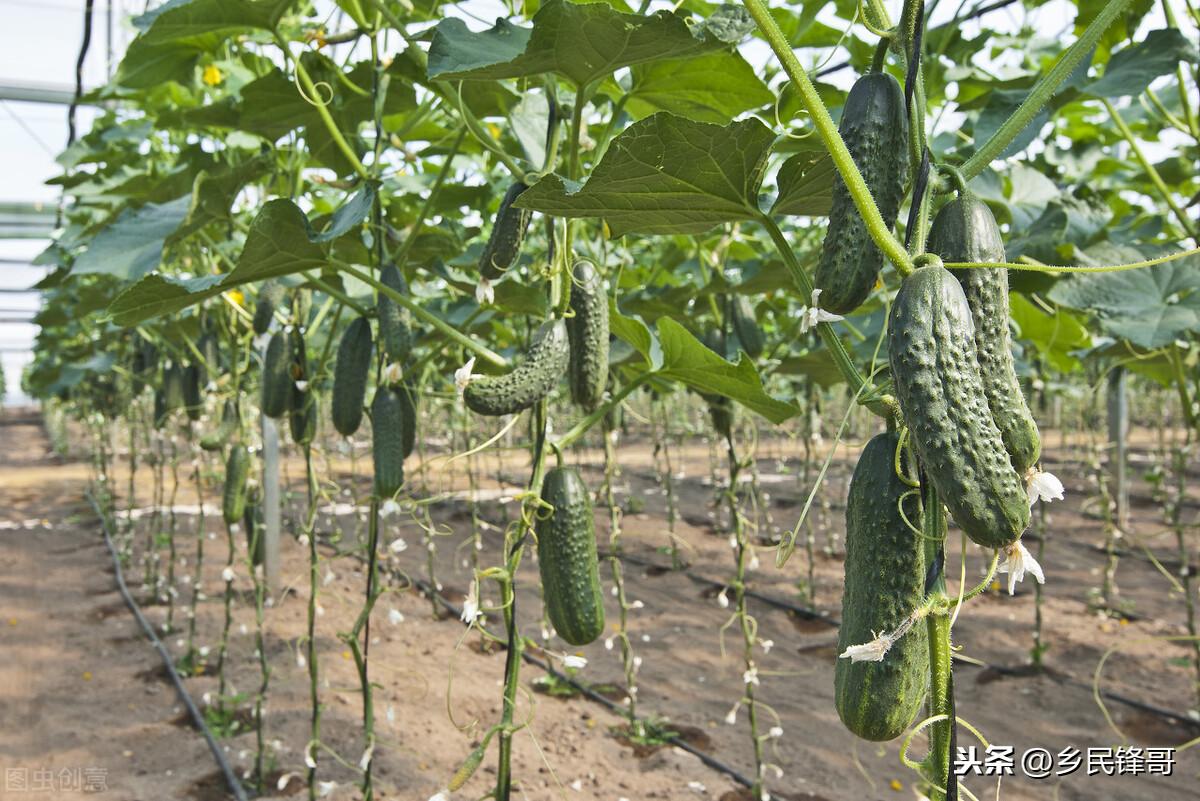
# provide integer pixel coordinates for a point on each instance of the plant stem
(314, 583)
(1042, 91)
(828, 132)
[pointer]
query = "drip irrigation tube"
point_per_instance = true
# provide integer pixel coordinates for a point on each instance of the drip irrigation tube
(231, 779)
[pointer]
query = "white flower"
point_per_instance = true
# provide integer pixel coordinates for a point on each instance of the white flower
(608, 644)
(329, 577)
(723, 599)
(395, 617)
(302, 386)
(301, 662)
(393, 373)
(811, 315)
(574, 661)
(1018, 560)
(309, 761)
(485, 295)
(767, 645)
(872, 651)
(776, 732)
(470, 610)
(1043, 487)
(325, 788)
(731, 715)
(462, 376)
(637, 605)
(205, 651)
(227, 575)
(398, 545)
(750, 676)
(366, 757)
(440, 795)
(390, 507)
(284, 779)
(698, 787)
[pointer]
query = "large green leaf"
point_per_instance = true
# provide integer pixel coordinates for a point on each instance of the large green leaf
(1054, 335)
(1133, 69)
(192, 21)
(711, 88)
(278, 243)
(636, 333)
(666, 174)
(132, 245)
(689, 361)
(581, 41)
(1149, 308)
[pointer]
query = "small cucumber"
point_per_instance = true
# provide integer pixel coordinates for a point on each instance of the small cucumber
(504, 244)
(215, 440)
(931, 344)
(567, 562)
(193, 398)
(277, 375)
(350, 374)
(587, 331)
(530, 381)
(387, 427)
(745, 325)
(269, 297)
(395, 321)
(237, 471)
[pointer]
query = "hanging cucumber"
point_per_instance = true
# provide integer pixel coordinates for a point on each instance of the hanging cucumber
(269, 297)
(530, 381)
(566, 547)
(277, 375)
(350, 374)
(884, 583)
(874, 127)
(931, 344)
(587, 331)
(965, 231)
(216, 439)
(745, 325)
(237, 471)
(388, 436)
(302, 406)
(395, 321)
(504, 244)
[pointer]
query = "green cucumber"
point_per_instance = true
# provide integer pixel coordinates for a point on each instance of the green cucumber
(884, 583)
(302, 406)
(237, 471)
(408, 417)
(256, 543)
(504, 244)
(350, 374)
(965, 231)
(269, 296)
(874, 127)
(587, 331)
(395, 321)
(387, 427)
(530, 381)
(277, 375)
(215, 440)
(566, 549)
(931, 344)
(745, 325)
(193, 398)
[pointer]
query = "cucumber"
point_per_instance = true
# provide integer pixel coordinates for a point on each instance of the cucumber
(193, 400)
(395, 321)
(566, 549)
(387, 427)
(161, 412)
(931, 344)
(269, 296)
(210, 350)
(350, 375)
(965, 231)
(884, 583)
(302, 406)
(587, 331)
(530, 381)
(237, 471)
(745, 325)
(874, 127)
(277, 375)
(216, 439)
(256, 543)
(504, 244)
(407, 396)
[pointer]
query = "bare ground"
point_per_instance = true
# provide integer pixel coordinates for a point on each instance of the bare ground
(80, 688)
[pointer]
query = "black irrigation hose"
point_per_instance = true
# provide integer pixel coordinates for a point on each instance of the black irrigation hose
(231, 779)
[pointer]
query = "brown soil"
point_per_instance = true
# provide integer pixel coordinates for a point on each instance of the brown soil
(80, 688)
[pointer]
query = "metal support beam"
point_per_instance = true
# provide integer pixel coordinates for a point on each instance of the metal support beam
(31, 92)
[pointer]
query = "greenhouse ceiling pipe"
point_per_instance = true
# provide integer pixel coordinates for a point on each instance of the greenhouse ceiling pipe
(37, 93)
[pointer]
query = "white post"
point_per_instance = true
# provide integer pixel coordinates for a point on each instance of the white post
(271, 503)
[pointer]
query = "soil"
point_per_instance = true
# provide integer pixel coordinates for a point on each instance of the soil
(81, 690)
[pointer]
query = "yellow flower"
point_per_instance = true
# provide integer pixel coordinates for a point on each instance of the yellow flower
(87, 675)
(212, 75)
(896, 785)
(237, 297)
